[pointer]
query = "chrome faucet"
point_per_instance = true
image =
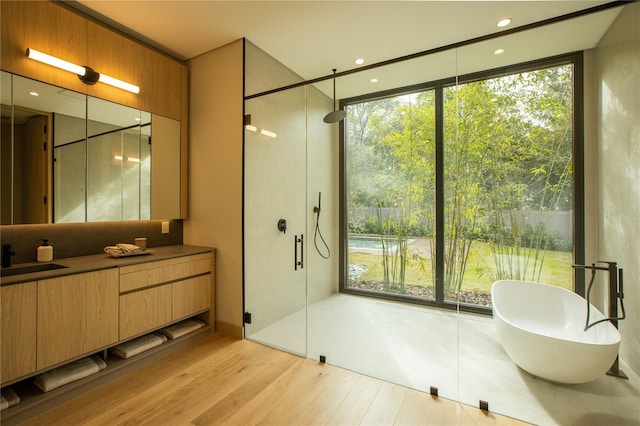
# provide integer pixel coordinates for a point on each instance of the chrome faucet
(6, 255)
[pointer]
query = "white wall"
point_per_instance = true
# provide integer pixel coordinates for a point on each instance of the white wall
(323, 176)
(215, 173)
(618, 165)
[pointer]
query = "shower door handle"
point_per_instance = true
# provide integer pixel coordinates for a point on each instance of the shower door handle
(301, 251)
(297, 262)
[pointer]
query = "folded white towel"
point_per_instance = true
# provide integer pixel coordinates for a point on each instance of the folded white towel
(180, 329)
(8, 399)
(69, 373)
(138, 345)
(122, 248)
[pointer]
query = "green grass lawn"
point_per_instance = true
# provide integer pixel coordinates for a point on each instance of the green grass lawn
(480, 272)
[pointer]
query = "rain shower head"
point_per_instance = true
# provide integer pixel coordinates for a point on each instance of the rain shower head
(335, 115)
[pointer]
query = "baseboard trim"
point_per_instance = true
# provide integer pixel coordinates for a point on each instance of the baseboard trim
(230, 329)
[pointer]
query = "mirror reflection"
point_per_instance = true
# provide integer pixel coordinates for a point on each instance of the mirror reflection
(69, 158)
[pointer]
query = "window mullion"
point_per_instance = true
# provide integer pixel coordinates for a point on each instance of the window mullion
(439, 232)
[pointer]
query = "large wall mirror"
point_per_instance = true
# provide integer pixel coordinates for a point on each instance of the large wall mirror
(68, 157)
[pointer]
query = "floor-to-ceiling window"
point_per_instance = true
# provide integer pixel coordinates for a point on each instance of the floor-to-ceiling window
(452, 185)
(390, 189)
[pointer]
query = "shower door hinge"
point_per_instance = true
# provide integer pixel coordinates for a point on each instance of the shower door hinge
(247, 318)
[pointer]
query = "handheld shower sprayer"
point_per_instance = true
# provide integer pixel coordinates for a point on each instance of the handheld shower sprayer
(317, 209)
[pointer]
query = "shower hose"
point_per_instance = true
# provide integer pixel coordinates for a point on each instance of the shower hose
(315, 238)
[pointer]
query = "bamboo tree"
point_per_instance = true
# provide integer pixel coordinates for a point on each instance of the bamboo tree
(507, 151)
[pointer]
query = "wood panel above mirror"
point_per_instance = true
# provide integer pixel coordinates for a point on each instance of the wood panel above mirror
(51, 28)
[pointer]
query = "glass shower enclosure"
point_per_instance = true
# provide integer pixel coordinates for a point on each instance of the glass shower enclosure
(290, 194)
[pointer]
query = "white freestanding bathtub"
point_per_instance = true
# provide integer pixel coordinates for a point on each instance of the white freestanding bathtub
(541, 327)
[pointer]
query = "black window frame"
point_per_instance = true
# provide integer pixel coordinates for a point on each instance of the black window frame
(576, 60)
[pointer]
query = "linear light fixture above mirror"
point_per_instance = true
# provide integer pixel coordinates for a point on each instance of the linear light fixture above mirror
(85, 73)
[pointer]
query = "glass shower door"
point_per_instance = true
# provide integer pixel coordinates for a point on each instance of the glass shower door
(275, 221)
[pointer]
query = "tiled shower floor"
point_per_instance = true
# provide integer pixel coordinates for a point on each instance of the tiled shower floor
(458, 353)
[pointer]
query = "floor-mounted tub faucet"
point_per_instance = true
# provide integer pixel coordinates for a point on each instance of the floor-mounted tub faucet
(616, 291)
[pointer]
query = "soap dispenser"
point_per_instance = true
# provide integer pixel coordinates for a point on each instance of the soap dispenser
(45, 252)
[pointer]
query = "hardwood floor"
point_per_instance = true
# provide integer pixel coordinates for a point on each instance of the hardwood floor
(222, 380)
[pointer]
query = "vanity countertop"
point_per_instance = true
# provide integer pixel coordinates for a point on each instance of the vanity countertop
(82, 264)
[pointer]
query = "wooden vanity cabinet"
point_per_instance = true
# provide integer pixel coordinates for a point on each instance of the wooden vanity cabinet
(157, 293)
(76, 315)
(48, 322)
(17, 330)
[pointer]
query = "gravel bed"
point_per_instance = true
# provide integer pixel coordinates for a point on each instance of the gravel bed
(466, 296)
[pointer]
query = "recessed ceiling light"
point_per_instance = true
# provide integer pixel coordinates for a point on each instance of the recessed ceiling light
(499, 51)
(34, 93)
(374, 80)
(359, 61)
(503, 22)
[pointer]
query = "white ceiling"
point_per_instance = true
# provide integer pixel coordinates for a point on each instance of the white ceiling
(312, 37)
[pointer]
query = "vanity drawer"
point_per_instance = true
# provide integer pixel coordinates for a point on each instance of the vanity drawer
(143, 275)
(144, 310)
(190, 296)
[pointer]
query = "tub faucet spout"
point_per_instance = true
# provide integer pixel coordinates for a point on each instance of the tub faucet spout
(593, 267)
